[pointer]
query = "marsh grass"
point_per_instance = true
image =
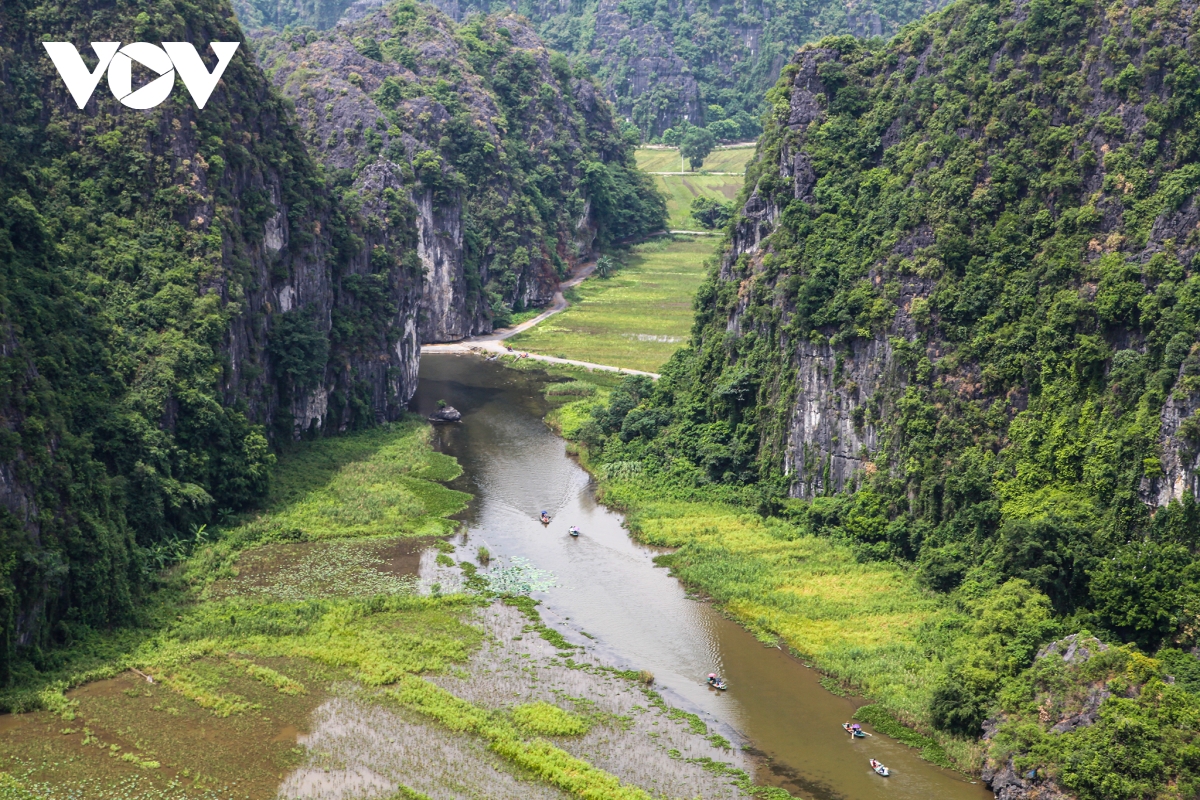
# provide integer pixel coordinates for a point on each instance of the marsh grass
(627, 736)
(571, 389)
(635, 319)
(544, 719)
(385, 481)
(341, 568)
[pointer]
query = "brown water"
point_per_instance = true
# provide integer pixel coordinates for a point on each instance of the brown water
(640, 617)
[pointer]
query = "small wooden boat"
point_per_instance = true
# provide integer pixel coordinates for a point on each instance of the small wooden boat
(574, 531)
(719, 684)
(880, 769)
(854, 731)
(545, 518)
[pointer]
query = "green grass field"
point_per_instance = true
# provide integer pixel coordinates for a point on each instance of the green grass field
(726, 160)
(636, 318)
(680, 190)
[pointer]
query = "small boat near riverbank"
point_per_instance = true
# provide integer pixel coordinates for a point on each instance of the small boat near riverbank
(574, 531)
(854, 730)
(880, 769)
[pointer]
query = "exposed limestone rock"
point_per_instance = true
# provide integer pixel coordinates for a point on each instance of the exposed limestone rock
(446, 414)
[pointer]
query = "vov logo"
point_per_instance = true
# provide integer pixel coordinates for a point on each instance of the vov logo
(172, 57)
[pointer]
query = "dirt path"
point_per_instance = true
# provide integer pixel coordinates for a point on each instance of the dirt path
(492, 344)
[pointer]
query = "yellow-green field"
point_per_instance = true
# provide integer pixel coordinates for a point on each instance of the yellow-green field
(667, 160)
(636, 318)
(680, 190)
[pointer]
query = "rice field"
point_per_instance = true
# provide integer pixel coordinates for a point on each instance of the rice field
(725, 159)
(680, 190)
(635, 318)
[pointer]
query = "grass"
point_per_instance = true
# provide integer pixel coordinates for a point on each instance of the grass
(634, 319)
(730, 159)
(539, 757)
(384, 481)
(867, 624)
(237, 676)
(680, 190)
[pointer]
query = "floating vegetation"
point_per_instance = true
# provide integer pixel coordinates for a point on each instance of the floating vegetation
(302, 571)
(520, 578)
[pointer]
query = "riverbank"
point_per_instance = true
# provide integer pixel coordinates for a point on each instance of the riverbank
(309, 651)
(866, 625)
(610, 592)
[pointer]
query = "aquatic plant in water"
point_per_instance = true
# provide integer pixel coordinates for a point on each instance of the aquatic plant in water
(521, 577)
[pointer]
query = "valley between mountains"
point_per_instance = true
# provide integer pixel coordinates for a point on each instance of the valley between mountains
(917, 447)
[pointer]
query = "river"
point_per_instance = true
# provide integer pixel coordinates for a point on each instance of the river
(636, 614)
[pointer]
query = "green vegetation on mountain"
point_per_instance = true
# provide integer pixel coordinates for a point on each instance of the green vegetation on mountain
(513, 158)
(663, 63)
(321, 14)
(708, 64)
(957, 328)
(131, 251)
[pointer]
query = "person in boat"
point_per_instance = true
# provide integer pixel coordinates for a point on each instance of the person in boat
(545, 517)
(713, 680)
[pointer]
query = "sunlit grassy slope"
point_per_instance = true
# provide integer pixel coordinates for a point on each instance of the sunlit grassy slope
(667, 160)
(636, 318)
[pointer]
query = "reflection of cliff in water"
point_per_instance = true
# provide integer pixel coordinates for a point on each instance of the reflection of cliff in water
(633, 612)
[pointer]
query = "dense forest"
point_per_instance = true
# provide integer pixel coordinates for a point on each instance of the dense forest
(662, 63)
(181, 292)
(957, 326)
(522, 169)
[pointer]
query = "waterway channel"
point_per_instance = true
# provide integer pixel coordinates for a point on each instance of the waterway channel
(638, 616)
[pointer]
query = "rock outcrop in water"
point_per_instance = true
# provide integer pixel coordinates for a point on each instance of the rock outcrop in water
(507, 163)
(446, 414)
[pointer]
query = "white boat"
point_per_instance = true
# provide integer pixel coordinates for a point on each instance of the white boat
(880, 769)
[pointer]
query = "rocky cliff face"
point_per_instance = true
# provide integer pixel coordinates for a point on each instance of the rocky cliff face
(178, 286)
(837, 374)
(499, 149)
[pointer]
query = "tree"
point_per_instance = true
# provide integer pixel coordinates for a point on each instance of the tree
(711, 213)
(606, 266)
(697, 143)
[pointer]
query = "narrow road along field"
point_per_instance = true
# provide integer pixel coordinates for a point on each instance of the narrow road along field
(634, 319)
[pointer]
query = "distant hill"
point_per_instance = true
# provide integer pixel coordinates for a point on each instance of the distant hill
(660, 62)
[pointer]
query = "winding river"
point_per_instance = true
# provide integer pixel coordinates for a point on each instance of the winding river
(634, 612)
